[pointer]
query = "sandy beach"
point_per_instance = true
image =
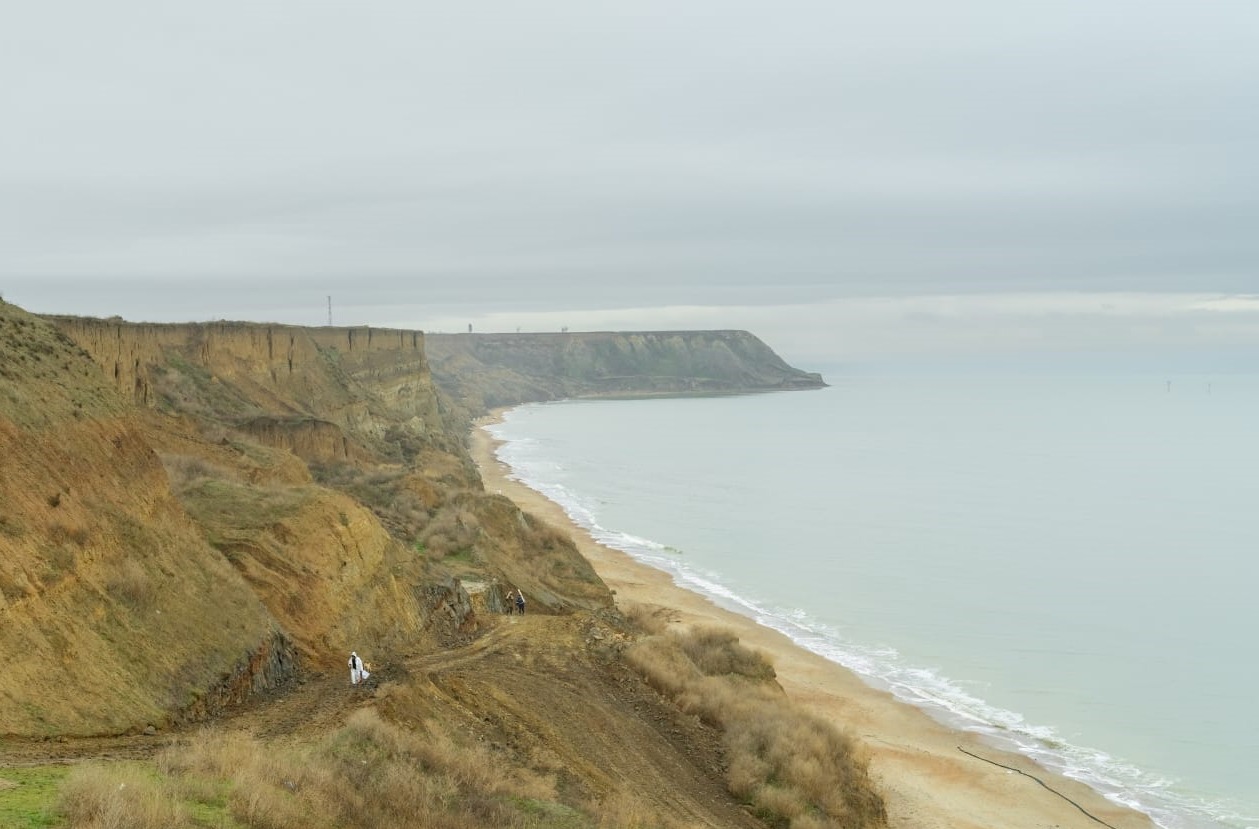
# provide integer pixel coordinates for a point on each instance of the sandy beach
(925, 772)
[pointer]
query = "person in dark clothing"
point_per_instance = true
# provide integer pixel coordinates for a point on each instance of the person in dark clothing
(520, 601)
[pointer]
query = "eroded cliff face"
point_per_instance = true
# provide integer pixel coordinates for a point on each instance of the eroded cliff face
(115, 612)
(363, 381)
(356, 405)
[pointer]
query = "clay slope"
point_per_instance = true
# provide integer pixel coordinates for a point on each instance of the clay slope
(116, 613)
(319, 464)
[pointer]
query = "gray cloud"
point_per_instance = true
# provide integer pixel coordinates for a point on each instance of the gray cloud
(163, 162)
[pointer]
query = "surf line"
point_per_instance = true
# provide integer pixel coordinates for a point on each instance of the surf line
(1043, 783)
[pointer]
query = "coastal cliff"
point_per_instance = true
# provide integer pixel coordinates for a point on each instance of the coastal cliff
(487, 371)
(363, 380)
(286, 477)
(106, 584)
(200, 521)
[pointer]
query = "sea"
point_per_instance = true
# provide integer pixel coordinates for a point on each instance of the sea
(1065, 565)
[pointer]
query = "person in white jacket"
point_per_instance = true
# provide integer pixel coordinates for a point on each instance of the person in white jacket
(357, 672)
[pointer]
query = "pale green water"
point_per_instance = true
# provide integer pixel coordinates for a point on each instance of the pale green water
(1066, 564)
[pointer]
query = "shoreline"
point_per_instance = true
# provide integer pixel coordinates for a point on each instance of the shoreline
(929, 774)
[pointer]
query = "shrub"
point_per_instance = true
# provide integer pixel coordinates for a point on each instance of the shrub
(61, 534)
(186, 471)
(715, 652)
(119, 797)
(368, 775)
(131, 585)
(792, 767)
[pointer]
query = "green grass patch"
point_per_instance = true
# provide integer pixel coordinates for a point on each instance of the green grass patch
(226, 505)
(30, 802)
(551, 814)
(206, 800)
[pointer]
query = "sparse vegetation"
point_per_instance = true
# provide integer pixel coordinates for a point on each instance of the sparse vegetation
(388, 493)
(120, 796)
(187, 471)
(131, 585)
(368, 775)
(794, 769)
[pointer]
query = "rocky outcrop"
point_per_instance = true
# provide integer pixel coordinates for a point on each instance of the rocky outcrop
(272, 664)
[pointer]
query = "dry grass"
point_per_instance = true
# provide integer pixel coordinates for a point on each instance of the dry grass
(186, 471)
(119, 797)
(131, 585)
(793, 768)
(624, 810)
(369, 775)
(388, 493)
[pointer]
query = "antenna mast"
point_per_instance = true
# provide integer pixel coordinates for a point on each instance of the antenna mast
(329, 310)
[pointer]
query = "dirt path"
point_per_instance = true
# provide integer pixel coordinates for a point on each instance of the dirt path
(309, 707)
(532, 687)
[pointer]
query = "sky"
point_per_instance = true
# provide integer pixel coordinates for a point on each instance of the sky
(853, 182)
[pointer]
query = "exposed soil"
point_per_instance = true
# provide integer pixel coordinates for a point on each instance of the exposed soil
(546, 691)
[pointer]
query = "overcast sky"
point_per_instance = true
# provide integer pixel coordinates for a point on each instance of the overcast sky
(848, 180)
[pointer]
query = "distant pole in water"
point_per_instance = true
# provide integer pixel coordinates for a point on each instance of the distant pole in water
(1169, 385)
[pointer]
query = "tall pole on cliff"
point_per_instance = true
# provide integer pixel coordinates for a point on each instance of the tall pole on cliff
(330, 311)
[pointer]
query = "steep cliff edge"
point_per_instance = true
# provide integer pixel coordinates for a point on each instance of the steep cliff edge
(364, 381)
(115, 611)
(493, 370)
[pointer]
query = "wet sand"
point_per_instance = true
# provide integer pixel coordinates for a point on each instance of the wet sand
(921, 766)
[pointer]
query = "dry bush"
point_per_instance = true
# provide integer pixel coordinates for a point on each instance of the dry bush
(131, 585)
(368, 775)
(716, 652)
(263, 787)
(118, 797)
(792, 767)
(450, 532)
(647, 618)
(185, 471)
(387, 493)
(59, 561)
(542, 536)
(61, 533)
(261, 805)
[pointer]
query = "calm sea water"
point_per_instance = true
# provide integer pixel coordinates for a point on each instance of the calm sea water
(1066, 565)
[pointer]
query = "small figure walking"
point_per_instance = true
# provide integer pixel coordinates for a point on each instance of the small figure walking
(520, 601)
(358, 673)
(508, 602)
